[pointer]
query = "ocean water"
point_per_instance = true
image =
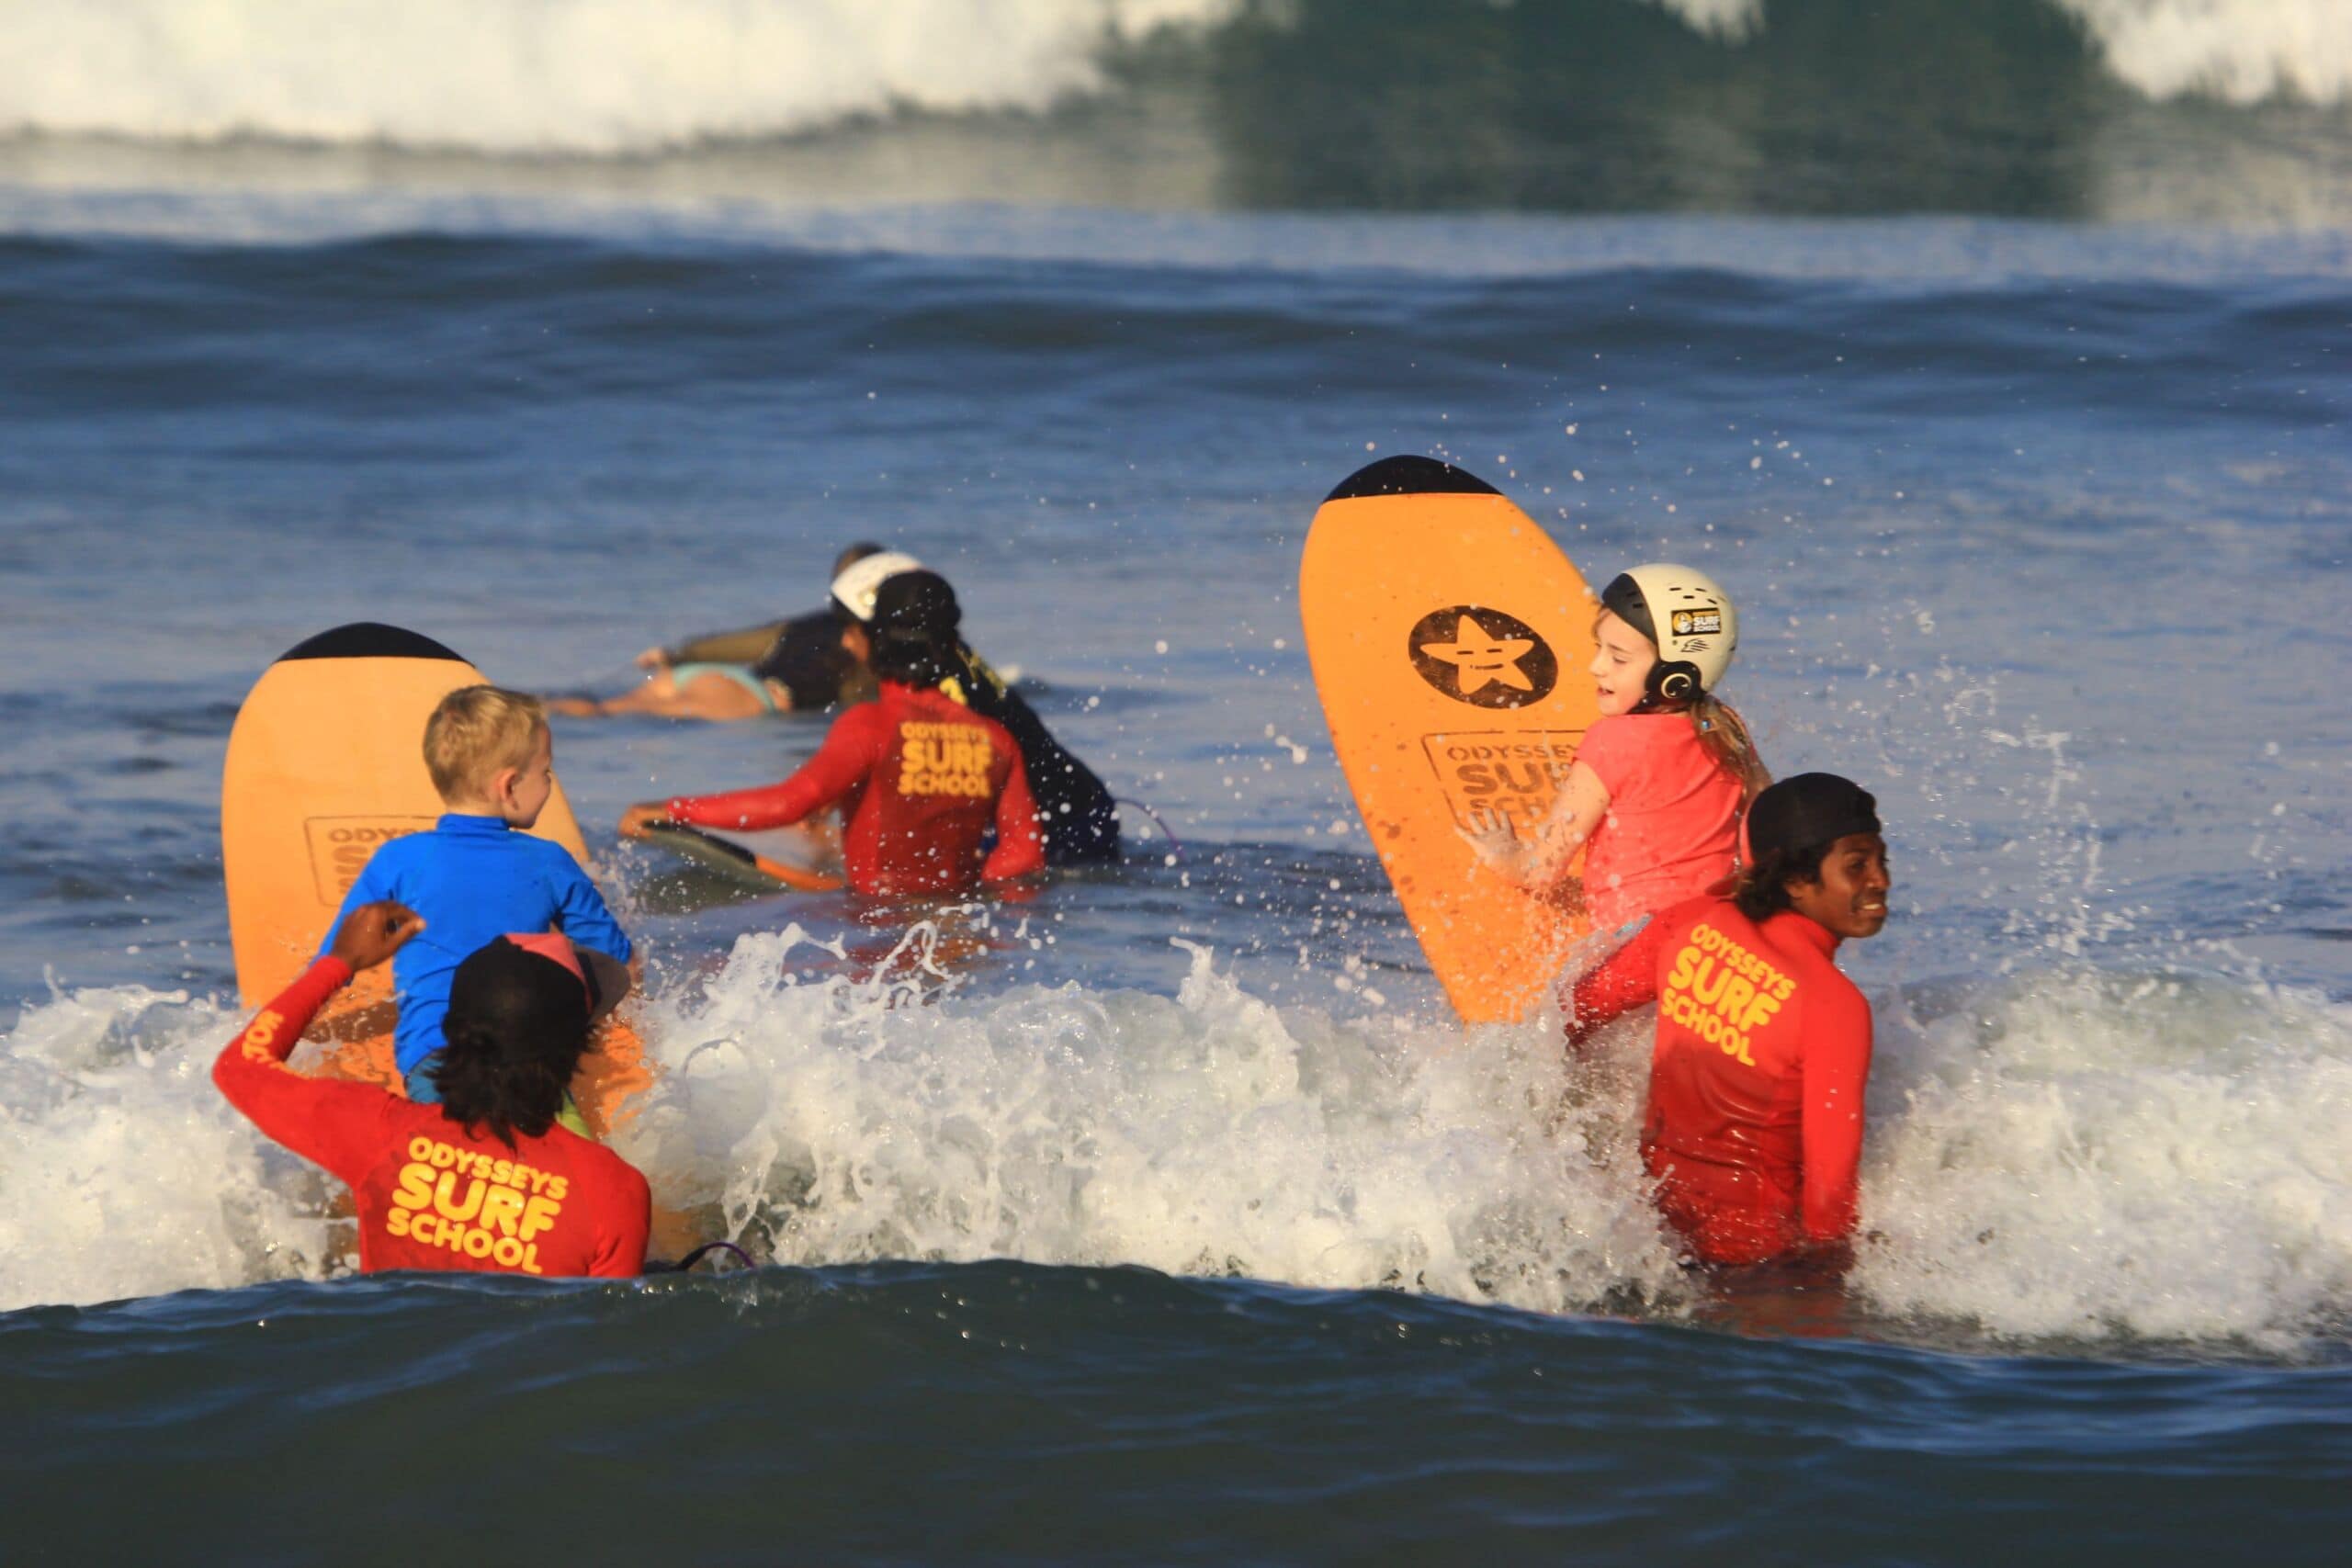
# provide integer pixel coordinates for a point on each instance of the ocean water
(1993, 356)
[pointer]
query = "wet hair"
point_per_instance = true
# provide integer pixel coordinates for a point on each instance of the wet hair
(1718, 725)
(1763, 887)
(854, 554)
(915, 629)
(516, 1028)
(1725, 734)
(477, 730)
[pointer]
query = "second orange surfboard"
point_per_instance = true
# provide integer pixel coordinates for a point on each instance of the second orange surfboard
(1451, 639)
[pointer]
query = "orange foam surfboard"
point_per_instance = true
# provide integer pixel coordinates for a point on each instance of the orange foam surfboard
(325, 763)
(1451, 642)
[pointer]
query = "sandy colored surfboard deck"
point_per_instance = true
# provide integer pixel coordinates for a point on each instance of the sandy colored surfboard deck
(325, 763)
(1451, 642)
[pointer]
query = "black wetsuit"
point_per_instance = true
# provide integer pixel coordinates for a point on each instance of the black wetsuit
(1074, 811)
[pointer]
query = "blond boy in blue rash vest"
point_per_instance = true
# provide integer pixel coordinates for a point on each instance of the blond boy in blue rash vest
(478, 875)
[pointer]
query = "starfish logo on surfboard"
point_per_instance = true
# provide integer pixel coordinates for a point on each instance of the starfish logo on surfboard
(1483, 656)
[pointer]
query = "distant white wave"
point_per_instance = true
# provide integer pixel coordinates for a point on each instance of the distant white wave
(2241, 50)
(604, 77)
(544, 76)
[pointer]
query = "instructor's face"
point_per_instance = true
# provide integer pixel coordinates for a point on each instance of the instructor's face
(1850, 898)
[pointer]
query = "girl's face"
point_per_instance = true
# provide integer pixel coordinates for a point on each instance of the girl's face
(1621, 665)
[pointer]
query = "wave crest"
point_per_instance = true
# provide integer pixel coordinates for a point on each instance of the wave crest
(580, 76)
(2240, 50)
(619, 77)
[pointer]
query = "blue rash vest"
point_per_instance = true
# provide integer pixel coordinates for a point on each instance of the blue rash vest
(474, 879)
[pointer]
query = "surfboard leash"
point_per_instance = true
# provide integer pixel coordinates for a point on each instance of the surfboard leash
(687, 1263)
(1173, 843)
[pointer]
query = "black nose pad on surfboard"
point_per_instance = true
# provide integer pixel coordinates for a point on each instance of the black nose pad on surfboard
(370, 640)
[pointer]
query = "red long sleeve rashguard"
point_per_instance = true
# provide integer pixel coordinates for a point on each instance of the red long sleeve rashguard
(1754, 1131)
(431, 1195)
(921, 779)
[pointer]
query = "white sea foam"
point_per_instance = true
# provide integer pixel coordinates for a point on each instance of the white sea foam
(2241, 50)
(2069, 1156)
(1209, 1132)
(2086, 1152)
(602, 77)
(124, 1173)
(537, 76)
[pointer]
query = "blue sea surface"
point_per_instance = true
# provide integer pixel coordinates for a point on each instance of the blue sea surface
(1177, 1218)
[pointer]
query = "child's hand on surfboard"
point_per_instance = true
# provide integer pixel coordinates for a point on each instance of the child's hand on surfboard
(373, 932)
(1498, 846)
(653, 658)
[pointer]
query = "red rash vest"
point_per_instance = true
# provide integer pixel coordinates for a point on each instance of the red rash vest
(1754, 1131)
(430, 1194)
(920, 779)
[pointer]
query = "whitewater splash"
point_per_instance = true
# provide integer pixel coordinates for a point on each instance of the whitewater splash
(2243, 51)
(2072, 1154)
(605, 77)
(580, 76)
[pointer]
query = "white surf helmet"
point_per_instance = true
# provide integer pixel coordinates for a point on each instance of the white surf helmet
(1688, 616)
(854, 589)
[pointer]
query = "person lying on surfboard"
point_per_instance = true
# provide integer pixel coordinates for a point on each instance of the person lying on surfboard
(486, 1181)
(923, 779)
(798, 665)
(1754, 1126)
(1656, 792)
(478, 872)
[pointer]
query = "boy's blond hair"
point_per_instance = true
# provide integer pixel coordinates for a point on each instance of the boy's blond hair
(478, 731)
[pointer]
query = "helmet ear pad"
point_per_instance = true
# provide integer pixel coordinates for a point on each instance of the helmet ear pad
(1672, 681)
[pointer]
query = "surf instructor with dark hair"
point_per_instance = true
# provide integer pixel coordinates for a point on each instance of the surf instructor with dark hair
(1754, 1130)
(485, 1181)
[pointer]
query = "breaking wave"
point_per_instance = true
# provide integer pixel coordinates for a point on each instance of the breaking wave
(2065, 1156)
(618, 77)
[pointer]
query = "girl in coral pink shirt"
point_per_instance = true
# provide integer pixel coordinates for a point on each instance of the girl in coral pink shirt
(1654, 795)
